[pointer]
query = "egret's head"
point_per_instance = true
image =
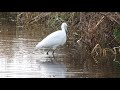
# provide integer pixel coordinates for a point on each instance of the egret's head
(64, 26)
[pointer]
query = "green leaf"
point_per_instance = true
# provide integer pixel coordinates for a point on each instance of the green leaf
(117, 33)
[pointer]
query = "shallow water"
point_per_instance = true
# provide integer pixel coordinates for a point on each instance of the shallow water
(18, 58)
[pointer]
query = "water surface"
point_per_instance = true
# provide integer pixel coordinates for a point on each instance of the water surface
(18, 59)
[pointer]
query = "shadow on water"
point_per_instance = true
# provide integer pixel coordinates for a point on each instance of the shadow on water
(18, 59)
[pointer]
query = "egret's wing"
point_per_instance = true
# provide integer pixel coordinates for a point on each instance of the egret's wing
(53, 39)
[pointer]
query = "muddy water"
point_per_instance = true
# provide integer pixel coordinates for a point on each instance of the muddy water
(18, 59)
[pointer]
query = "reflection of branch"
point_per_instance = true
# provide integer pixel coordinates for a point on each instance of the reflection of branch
(115, 60)
(115, 52)
(103, 51)
(97, 46)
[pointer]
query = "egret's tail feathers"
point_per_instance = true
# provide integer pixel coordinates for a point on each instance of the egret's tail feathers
(39, 46)
(35, 49)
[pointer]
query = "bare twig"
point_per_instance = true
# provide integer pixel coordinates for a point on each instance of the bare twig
(38, 17)
(100, 21)
(20, 14)
(113, 19)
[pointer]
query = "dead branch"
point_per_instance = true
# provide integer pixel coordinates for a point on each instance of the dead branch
(38, 17)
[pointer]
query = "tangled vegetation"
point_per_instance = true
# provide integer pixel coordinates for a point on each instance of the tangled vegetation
(92, 36)
(88, 31)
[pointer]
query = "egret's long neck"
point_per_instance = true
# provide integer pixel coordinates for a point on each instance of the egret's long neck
(64, 30)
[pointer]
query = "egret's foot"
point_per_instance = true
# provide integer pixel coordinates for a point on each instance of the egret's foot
(53, 56)
(53, 53)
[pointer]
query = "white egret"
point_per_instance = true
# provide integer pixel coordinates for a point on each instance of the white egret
(54, 40)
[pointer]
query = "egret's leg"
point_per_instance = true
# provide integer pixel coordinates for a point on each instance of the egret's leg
(48, 51)
(53, 54)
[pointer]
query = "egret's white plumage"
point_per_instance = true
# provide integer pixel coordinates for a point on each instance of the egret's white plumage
(54, 40)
